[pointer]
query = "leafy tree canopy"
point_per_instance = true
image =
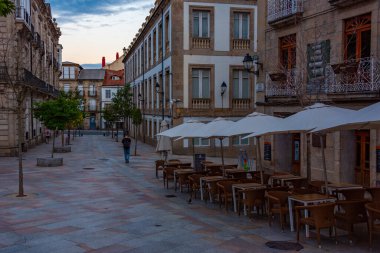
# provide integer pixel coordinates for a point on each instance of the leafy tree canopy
(136, 116)
(6, 7)
(122, 102)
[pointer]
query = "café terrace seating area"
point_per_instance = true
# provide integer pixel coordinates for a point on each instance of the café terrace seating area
(288, 201)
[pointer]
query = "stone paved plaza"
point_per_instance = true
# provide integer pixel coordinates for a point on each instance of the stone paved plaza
(118, 207)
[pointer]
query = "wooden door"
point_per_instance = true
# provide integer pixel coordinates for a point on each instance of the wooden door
(362, 158)
(296, 154)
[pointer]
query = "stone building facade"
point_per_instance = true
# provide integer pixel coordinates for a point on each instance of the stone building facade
(179, 59)
(29, 71)
(328, 52)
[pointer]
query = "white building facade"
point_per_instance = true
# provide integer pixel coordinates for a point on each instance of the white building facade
(188, 51)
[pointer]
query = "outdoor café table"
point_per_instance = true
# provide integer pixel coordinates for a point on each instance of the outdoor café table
(283, 178)
(306, 199)
(340, 186)
(208, 179)
(235, 172)
(179, 172)
(244, 186)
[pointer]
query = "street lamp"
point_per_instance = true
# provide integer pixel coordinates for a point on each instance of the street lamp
(162, 99)
(223, 88)
(250, 61)
(141, 99)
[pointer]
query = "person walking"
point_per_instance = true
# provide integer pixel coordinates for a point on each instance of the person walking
(47, 136)
(127, 146)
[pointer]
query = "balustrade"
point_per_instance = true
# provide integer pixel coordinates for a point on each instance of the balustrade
(201, 43)
(201, 103)
(241, 44)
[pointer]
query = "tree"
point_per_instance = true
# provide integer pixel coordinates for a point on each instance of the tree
(6, 7)
(136, 120)
(122, 104)
(58, 113)
(110, 116)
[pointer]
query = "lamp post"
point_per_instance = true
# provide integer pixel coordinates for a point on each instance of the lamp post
(140, 99)
(223, 88)
(162, 99)
(250, 61)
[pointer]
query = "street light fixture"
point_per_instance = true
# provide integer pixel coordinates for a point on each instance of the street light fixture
(162, 99)
(250, 61)
(223, 88)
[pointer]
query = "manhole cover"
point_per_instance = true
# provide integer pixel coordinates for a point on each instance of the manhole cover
(103, 159)
(284, 245)
(88, 168)
(157, 225)
(170, 196)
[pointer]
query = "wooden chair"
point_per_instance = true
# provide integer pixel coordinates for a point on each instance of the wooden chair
(351, 194)
(159, 166)
(278, 204)
(375, 193)
(252, 198)
(184, 165)
(320, 216)
(373, 211)
(350, 212)
(183, 180)
(174, 161)
(225, 192)
(168, 175)
(316, 185)
(194, 182)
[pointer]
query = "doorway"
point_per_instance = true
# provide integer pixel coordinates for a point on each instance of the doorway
(296, 154)
(92, 122)
(362, 173)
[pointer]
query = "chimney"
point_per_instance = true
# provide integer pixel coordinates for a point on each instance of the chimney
(103, 62)
(117, 55)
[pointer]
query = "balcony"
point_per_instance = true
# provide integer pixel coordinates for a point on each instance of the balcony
(91, 93)
(201, 103)
(284, 12)
(241, 44)
(34, 82)
(241, 103)
(344, 3)
(23, 16)
(283, 84)
(354, 76)
(201, 43)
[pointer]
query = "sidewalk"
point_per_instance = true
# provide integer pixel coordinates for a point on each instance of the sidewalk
(97, 203)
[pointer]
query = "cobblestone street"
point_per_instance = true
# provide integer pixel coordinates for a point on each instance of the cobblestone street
(97, 203)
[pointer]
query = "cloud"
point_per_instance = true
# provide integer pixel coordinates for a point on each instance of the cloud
(71, 11)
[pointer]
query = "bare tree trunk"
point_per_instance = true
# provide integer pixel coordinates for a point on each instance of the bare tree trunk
(136, 141)
(20, 167)
(52, 151)
(63, 138)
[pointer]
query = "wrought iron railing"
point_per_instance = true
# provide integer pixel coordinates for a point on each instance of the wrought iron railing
(279, 9)
(284, 83)
(29, 79)
(353, 76)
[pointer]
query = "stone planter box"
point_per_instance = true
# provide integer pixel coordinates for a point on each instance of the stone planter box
(49, 162)
(65, 149)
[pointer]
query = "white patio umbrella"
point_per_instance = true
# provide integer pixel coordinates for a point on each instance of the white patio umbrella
(308, 119)
(365, 118)
(182, 129)
(254, 122)
(163, 142)
(214, 129)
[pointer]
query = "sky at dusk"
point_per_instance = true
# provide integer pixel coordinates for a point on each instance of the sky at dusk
(95, 28)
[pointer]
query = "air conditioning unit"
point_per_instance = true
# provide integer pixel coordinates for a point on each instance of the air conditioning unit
(259, 87)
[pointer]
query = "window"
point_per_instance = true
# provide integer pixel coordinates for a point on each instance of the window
(241, 25)
(68, 72)
(199, 142)
(239, 141)
(91, 90)
(167, 22)
(72, 72)
(115, 78)
(357, 37)
(154, 46)
(80, 89)
(92, 104)
(240, 84)
(288, 51)
(108, 93)
(201, 24)
(201, 83)
(66, 88)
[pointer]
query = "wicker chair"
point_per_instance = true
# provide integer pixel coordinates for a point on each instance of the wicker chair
(159, 166)
(375, 193)
(194, 181)
(168, 175)
(351, 194)
(373, 210)
(278, 204)
(320, 216)
(350, 212)
(183, 180)
(252, 198)
(225, 192)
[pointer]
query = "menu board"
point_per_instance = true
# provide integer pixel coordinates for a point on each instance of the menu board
(267, 151)
(198, 158)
